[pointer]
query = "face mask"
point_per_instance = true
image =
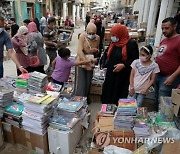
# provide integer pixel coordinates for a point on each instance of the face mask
(114, 39)
(91, 37)
(143, 59)
(1, 30)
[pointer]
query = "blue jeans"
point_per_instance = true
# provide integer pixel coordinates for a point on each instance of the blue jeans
(163, 90)
(42, 29)
(1, 70)
(139, 98)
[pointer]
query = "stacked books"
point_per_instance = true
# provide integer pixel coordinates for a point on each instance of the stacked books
(6, 96)
(67, 90)
(37, 82)
(13, 114)
(79, 99)
(53, 87)
(141, 130)
(22, 83)
(108, 109)
(63, 122)
(8, 82)
(67, 115)
(37, 112)
(125, 114)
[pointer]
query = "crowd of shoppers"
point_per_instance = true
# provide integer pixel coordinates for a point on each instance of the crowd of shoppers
(130, 72)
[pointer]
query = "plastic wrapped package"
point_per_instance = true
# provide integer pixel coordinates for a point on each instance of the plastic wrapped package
(111, 149)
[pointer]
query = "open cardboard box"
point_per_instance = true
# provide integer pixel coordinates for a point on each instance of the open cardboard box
(175, 97)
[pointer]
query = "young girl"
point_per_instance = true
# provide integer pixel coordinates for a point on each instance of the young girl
(142, 74)
(62, 66)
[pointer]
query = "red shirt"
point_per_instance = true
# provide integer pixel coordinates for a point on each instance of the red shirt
(67, 22)
(168, 57)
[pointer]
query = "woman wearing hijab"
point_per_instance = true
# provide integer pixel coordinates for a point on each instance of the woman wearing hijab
(121, 52)
(35, 46)
(88, 46)
(20, 45)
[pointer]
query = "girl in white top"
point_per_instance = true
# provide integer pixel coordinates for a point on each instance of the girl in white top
(143, 74)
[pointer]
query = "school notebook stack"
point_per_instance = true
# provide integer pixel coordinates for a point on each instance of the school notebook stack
(67, 115)
(6, 96)
(125, 114)
(22, 83)
(13, 114)
(108, 109)
(37, 82)
(37, 112)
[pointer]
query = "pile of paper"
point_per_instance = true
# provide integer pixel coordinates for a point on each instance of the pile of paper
(125, 114)
(13, 114)
(108, 109)
(68, 113)
(6, 96)
(67, 90)
(37, 82)
(141, 130)
(63, 122)
(22, 83)
(37, 112)
(8, 82)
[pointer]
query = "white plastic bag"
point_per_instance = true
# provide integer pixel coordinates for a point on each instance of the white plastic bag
(111, 149)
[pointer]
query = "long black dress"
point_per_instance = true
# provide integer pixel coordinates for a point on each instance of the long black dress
(116, 83)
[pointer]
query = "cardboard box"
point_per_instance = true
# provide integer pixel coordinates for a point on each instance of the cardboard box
(93, 152)
(38, 143)
(19, 136)
(64, 142)
(171, 148)
(175, 97)
(8, 133)
(123, 139)
(96, 89)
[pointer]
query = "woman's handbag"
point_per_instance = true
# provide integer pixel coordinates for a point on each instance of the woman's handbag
(34, 60)
(33, 54)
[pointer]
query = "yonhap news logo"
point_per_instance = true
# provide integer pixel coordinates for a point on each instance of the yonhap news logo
(105, 139)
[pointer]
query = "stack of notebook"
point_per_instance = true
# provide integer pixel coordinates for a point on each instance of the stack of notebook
(67, 90)
(141, 130)
(37, 82)
(13, 114)
(125, 114)
(108, 109)
(37, 112)
(6, 96)
(22, 83)
(67, 115)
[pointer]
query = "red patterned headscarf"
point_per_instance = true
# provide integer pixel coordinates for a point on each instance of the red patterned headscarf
(121, 32)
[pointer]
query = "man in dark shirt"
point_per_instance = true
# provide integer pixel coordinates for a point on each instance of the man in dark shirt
(168, 59)
(14, 27)
(6, 40)
(50, 39)
(26, 22)
(88, 18)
